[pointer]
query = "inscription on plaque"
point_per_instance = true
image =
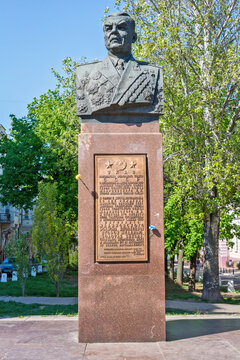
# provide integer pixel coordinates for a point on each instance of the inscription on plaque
(121, 208)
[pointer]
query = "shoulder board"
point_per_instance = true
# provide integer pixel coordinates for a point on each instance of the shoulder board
(142, 62)
(149, 64)
(156, 65)
(152, 66)
(89, 63)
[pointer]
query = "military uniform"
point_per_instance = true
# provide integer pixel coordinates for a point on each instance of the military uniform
(129, 87)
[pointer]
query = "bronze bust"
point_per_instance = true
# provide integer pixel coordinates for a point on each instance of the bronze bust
(119, 88)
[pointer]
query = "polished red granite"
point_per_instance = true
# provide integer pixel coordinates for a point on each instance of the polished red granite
(121, 302)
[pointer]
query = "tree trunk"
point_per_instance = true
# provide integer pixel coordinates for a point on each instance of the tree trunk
(211, 290)
(192, 275)
(180, 267)
(171, 268)
(23, 286)
(57, 285)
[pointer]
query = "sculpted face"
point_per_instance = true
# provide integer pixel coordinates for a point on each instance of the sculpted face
(119, 34)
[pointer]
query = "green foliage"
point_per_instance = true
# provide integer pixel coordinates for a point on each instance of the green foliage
(20, 158)
(228, 226)
(43, 146)
(224, 289)
(57, 127)
(73, 258)
(183, 225)
(19, 246)
(50, 234)
(174, 224)
(194, 237)
(197, 43)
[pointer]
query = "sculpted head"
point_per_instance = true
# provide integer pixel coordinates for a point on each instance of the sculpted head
(119, 34)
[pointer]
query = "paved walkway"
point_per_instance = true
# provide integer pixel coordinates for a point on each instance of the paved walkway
(195, 306)
(188, 338)
(201, 307)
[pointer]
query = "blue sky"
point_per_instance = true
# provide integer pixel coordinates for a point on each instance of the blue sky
(35, 35)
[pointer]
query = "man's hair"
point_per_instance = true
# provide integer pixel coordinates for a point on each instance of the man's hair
(121, 14)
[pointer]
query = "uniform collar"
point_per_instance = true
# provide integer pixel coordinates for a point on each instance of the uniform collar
(115, 59)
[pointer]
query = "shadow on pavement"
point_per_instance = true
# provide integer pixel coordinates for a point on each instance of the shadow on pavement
(184, 329)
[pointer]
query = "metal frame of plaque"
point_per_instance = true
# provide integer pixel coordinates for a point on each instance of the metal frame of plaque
(121, 208)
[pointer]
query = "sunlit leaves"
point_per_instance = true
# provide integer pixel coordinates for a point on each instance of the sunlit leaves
(21, 159)
(197, 43)
(50, 234)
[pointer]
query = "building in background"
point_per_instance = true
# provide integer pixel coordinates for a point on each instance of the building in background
(229, 256)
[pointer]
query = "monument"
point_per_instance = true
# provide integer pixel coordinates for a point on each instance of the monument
(121, 261)
(119, 88)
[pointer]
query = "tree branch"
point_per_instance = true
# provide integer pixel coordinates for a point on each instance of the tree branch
(200, 13)
(231, 91)
(155, 6)
(232, 123)
(225, 24)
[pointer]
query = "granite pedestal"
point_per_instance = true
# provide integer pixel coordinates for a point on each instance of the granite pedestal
(121, 302)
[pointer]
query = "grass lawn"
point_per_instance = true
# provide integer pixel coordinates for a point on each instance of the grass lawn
(41, 285)
(176, 292)
(180, 312)
(15, 309)
(231, 298)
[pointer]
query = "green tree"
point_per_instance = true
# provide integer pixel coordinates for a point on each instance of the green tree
(194, 242)
(19, 246)
(50, 234)
(20, 158)
(229, 228)
(183, 231)
(174, 228)
(43, 146)
(198, 45)
(57, 126)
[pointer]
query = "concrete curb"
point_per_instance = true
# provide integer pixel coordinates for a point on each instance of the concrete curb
(75, 317)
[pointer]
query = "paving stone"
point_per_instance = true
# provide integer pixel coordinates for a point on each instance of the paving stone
(55, 338)
(209, 347)
(123, 351)
(40, 352)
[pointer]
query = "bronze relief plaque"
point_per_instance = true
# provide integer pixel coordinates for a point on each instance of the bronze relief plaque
(121, 208)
